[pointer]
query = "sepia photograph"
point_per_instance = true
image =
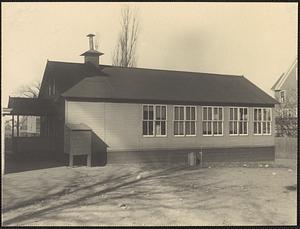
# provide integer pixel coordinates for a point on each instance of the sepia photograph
(149, 114)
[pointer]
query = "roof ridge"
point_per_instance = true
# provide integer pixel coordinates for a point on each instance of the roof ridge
(154, 69)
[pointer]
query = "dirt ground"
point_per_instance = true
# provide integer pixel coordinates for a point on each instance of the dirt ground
(148, 194)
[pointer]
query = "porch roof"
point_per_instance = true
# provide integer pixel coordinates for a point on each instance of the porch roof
(30, 106)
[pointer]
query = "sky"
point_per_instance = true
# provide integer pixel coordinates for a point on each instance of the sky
(257, 40)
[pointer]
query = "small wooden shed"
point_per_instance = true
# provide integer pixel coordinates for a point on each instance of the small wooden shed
(78, 141)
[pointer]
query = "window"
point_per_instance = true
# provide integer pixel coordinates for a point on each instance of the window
(154, 120)
(49, 89)
(29, 126)
(184, 121)
(282, 96)
(53, 87)
(262, 121)
(238, 121)
(212, 121)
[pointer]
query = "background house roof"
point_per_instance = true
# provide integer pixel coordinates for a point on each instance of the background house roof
(149, 85)
(284, 76)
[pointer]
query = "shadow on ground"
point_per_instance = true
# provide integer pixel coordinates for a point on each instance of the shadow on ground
(15, 163)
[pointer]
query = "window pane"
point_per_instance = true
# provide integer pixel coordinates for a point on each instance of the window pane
(157, 112)
(209, 113)
(163, 128)
(204, 113)
(245, 114)
(209, 126)
(150, 127)
(245, 128)
(259, 115)
(269, 115)
(268, 127)
(176, 111)
(216, 113)
(188, 113)
(145, 128)
(145, 112)
(204, 126)
(231, 114)
(255, 127)
(241, 113)
(230, 127)
(151, 113)
(193, 128)
(264, 124)
(235, 126)
(235, 114)
(215, 127)
(176, 128)
(181, 113)
(220, 129)
(188, 128)
(163, 113)
(181, 129)
(255, 114)
(157, 128)
(264, 115)
(241, 128)
(220, 113)
(193, 112)
(259, 127)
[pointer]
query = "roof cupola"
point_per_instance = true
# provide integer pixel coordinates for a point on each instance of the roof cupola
(91, 55)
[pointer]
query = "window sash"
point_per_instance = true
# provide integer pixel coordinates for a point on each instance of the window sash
(238, 121)
(184, 120)
(154, 120)
(212, 121)
(262, 118)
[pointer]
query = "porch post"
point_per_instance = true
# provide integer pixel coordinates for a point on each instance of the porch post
(3, 147)
(18, 127)
(13, 127)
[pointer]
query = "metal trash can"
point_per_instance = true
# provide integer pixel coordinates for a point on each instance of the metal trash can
(192, 159)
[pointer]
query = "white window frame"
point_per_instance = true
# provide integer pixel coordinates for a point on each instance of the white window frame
(262, 121)
(282, 100)
(212, 120)
(238, 121)
(154, 120)
(184, 121)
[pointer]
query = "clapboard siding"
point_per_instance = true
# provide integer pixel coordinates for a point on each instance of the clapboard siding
(119, 125)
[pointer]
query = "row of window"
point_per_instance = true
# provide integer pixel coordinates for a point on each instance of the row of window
(185, 117)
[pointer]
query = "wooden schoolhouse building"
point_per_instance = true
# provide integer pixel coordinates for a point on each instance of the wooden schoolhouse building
(117, 114)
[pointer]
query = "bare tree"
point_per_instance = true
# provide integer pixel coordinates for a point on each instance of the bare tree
(30, 91)
(125, 51)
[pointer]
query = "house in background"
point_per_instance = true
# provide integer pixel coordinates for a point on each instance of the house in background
(138, 114)
(286, 92)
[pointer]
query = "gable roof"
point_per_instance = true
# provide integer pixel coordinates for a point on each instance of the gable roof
(113, 83)
(283, 77)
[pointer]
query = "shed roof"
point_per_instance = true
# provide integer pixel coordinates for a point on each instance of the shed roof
(151, 85)
(30, 106)
(78, 126)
